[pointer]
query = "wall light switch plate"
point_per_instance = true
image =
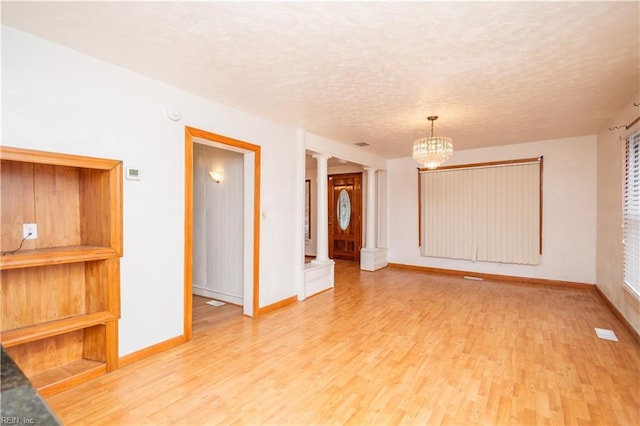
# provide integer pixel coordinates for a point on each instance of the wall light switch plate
(29, 231)
(132, 173)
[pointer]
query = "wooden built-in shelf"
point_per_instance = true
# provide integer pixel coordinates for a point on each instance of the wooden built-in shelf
(60, 292)
(56, 255)
(31, 333)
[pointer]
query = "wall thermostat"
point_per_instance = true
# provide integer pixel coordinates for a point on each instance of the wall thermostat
(132, 173)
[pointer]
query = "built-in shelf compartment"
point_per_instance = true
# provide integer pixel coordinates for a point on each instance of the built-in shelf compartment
(67, 357)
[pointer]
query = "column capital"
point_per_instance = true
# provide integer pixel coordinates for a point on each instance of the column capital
(320, 156)
(371, 169)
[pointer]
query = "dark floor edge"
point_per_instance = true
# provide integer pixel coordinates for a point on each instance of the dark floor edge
(617, 313)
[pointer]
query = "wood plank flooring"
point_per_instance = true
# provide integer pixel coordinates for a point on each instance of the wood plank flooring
(206, 316)
(390, 347)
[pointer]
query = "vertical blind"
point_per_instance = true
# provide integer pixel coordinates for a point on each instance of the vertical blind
(631, 213)
(487, 213)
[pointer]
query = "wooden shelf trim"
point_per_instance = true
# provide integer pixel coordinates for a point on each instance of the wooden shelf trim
(58, 159)
(56, 255)
(52, 328)
(67, 376)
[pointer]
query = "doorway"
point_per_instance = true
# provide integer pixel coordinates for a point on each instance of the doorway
(218, 249)
(251, 215)
(345, 216)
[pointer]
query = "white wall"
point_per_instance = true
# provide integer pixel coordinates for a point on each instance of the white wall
(56, 99)
(569, 210)
(218, 224)
(609, 231)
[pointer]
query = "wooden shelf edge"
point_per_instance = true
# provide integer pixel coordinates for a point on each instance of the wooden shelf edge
(22, 335)
(45, 388)
(54, 158)
(56, 256)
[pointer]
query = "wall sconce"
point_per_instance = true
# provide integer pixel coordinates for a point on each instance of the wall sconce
(216, 176)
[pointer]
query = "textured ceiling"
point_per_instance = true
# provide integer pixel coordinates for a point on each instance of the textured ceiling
(496, 73)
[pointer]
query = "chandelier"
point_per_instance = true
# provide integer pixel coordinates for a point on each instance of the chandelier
(433, 150)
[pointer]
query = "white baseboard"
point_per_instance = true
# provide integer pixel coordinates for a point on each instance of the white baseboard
(199, 290)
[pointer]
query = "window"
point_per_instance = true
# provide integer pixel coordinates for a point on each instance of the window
(631, 214)
(483, 212)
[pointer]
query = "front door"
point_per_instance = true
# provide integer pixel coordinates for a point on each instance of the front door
(345, 207)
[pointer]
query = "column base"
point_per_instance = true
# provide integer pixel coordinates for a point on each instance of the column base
(318, 277)
(373, 259)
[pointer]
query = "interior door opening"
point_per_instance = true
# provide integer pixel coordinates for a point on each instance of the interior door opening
(218, 246)
(246, 168)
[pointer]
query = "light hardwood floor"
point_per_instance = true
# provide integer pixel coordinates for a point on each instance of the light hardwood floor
(394, 346)
(207, 316)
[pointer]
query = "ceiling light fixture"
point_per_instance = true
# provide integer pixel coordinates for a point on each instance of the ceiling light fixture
(433, 150)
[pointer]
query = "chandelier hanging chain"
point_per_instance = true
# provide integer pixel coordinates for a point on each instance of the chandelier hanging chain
(432, 118)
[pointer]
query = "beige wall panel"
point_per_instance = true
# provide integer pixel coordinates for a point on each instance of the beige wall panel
(16, 203)
(57, 205)
(36, 295)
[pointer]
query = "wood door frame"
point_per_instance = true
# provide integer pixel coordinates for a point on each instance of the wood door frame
(190, 134)
(357, 193)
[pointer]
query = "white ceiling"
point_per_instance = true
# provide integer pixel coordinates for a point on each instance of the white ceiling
(495, 72)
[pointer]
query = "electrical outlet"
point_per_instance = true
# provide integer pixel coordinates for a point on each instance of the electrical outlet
(29, 231)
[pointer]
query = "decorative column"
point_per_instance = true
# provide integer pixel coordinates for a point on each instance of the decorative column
(372, 257)
(370, 228)
(322, 217)
(319, 273)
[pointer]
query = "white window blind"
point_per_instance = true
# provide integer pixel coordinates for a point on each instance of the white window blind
(631, 214)
(488, 213)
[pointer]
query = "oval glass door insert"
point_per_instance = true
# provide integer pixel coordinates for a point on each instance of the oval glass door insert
(344, 210)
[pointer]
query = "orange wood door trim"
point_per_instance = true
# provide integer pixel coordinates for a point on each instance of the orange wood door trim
(190, 134)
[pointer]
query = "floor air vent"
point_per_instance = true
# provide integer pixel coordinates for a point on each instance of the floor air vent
(606, 334)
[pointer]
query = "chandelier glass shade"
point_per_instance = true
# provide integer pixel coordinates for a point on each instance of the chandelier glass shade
(432, 151)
